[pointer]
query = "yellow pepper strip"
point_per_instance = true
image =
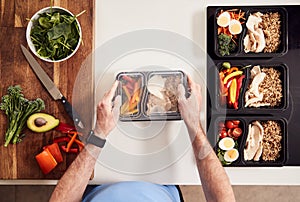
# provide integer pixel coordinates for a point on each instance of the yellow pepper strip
(233, 74)
(124, 107)
(126, 92)
(232, 91)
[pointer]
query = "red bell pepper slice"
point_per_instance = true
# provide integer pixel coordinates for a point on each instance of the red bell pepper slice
(65, 128)
(238, 89)
(61, 139)
(71, 150)
(46, 161)
(54, 150)
(128, 78)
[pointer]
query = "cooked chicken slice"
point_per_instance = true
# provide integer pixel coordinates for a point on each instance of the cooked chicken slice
(260, 146)
(253, 100)
(253, 22)
(247, 44)
(261, 42)
(254, 141)
(253, 42)
(255, 83)
(255, 70)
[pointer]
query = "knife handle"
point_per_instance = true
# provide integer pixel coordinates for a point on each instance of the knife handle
(72, 113)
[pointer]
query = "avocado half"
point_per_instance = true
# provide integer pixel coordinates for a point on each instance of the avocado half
(41, 122)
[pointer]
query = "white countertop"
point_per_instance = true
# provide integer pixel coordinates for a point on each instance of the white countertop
(185, 19)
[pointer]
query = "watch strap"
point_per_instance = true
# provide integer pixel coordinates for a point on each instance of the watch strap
(95, 140)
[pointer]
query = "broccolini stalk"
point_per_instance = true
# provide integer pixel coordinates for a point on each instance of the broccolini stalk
(18, 109)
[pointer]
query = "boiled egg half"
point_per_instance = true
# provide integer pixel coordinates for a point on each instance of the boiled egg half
(231, 155)
(227, 143)
(235, 27)
(223, 19)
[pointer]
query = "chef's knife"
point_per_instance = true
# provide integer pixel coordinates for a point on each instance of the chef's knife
(51, 88)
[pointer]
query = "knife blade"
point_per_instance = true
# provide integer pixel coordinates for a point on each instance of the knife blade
(51, 87)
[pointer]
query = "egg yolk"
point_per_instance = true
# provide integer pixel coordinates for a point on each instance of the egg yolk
(223, 21)
(227, 143)
(231, 154)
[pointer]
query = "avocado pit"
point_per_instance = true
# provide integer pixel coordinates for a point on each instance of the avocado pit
(39, 122)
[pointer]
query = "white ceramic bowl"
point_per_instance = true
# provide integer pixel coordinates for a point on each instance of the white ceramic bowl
(30, 25)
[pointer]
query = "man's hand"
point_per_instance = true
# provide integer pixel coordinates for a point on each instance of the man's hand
(190, 107)
(108, 112)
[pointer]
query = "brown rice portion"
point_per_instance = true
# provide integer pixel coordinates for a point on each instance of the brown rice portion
(271, 25)
(271, 87)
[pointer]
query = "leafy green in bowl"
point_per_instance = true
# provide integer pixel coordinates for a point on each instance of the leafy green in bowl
(53, 34)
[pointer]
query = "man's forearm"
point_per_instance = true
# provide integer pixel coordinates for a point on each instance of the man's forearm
(73, 183)
(215, 181)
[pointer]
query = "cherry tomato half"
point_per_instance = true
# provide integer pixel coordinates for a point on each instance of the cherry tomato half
(237, 132)
(223, 134)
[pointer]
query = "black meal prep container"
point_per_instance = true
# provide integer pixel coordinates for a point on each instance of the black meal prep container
(244, 124)
(279, 60)
(142, 115)
(284, 77)
(239, 52)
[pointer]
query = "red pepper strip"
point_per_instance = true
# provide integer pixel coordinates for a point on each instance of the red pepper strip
(61, 139)
(127, 78)
(238, 89)
(63, 127)
(54, 150)
(71, 142)
(46, 161)
(71, 150)
(77, 141)
(129, 86)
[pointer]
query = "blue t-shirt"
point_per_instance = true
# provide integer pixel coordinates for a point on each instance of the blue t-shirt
(133, 191)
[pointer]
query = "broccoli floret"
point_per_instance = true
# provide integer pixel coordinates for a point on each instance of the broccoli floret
(226, 45)
(18, 109)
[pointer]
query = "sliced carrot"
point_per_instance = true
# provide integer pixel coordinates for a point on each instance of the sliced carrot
(77, 141)
(135, 96)
(132, 112)
(132, 106)
(71, 142)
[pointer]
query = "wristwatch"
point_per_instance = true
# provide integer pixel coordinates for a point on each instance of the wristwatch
(95, 140)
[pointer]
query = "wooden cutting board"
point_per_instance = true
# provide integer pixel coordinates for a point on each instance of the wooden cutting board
(17, 161)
